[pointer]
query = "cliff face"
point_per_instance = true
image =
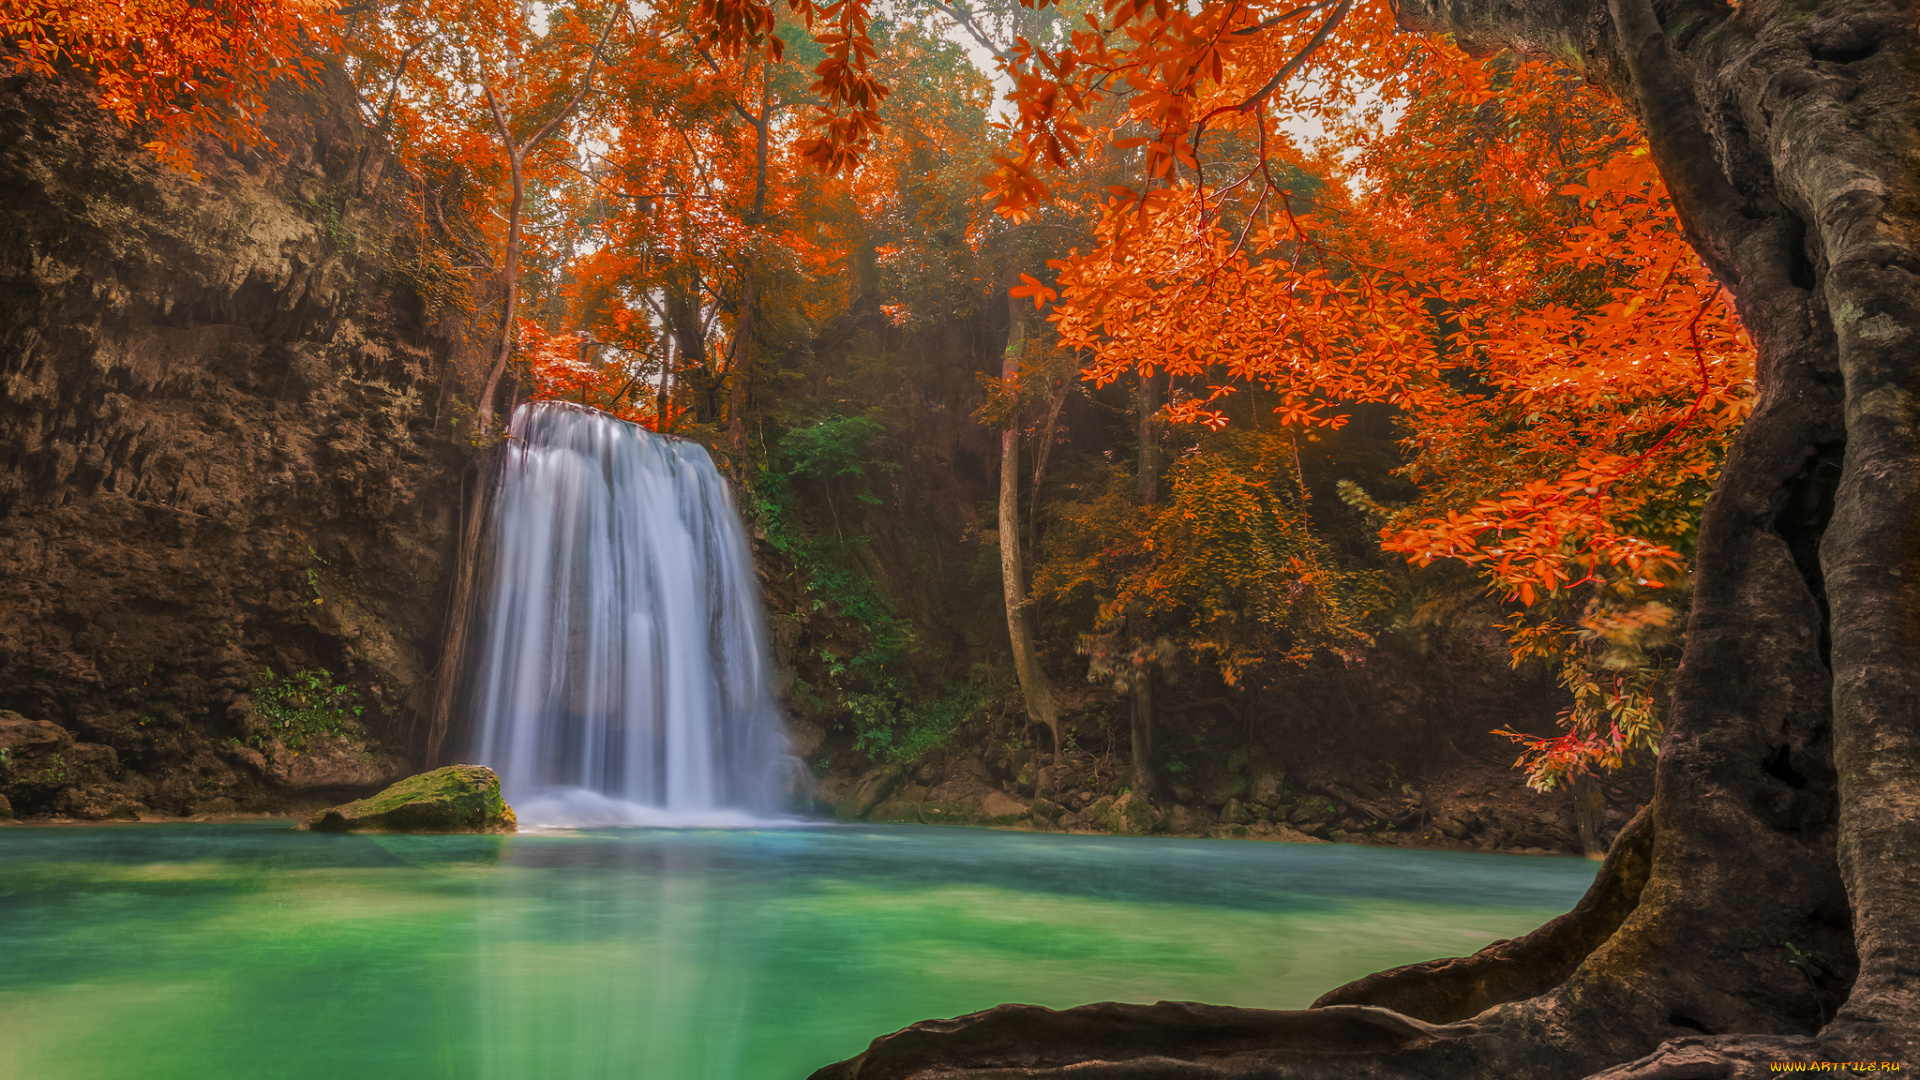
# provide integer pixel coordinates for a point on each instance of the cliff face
(229, 482)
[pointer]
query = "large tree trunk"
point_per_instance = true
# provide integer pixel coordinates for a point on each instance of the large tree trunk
(1034, 685)
(1767, 906)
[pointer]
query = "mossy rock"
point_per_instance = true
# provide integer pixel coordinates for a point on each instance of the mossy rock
(894, 811)
(951, 813)
(1312, 808)
(1225, 790)
(456, 799)
(1131, 815)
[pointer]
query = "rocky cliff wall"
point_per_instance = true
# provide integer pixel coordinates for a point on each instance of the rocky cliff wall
(229, 482)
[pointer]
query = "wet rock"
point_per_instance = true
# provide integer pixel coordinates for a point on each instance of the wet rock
(1290, 835)
(456, 799)
(896, 812)
(1045, 781)
(1265, 788)
(804, 737)
(1132, 815)
(20, 736)
(1338, 836)
(1189, 821)
(866, 793)
(1225, 790)
(1000, 809)
(6, 809)
(1312, 808)
(1047, 810)
(328, 762)
(1235, 813)
(968, 802)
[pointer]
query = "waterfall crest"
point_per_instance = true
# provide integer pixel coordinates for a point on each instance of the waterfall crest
(620, 675)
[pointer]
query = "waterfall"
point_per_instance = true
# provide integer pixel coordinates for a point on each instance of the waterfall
(620, 671)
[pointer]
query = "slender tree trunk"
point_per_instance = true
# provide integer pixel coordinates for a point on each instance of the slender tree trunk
(1146, 771)
(516, 166)
(1589, 814)
(1040, 454)
(737, 368)
(1034, 686)
(663, 409)
(510, 278)
(743, 320)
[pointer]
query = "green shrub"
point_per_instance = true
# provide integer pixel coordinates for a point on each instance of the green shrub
(890, 730)
(304, 705)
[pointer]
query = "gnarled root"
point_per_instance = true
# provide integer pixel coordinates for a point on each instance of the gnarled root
(1457, 988)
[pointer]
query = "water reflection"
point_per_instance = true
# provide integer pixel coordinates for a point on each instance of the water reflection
(228, 952)
(627, 960)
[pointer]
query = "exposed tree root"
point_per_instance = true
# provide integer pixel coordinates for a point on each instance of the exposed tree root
(1458, 988)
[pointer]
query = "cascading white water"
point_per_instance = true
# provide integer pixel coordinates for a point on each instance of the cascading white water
(620, 668)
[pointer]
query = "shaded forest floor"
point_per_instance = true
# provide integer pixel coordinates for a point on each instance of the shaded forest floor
(1469, 799)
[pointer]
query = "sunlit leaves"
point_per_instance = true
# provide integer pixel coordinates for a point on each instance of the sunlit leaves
(1500, 266)
(184, 69)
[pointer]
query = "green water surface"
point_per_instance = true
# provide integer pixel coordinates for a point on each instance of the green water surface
(212, 952)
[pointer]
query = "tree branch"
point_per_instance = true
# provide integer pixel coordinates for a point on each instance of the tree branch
(964, 19)
(586, 87)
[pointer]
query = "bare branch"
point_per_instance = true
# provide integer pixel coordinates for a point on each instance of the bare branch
(964, 19)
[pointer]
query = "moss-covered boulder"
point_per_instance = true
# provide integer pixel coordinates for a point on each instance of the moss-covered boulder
(456, 799)
(1133, 815)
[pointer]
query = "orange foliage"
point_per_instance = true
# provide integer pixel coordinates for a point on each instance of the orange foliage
(185, 69)
(1479, 243)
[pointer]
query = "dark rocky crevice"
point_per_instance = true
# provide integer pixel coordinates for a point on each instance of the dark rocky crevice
(1805, 512)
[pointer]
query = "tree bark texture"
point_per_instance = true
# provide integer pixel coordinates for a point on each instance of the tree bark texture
(477, 489)
(1034, 685)
(737, 368)
(1145, 769)
(509, 280)
(1767, 905)
(517, 152)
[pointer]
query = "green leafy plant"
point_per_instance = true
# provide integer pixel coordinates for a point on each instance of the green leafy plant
(888, 729)
(305, 705)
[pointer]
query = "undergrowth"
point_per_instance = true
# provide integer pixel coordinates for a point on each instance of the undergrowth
(305, 705)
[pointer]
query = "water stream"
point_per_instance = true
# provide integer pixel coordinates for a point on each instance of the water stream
(620, 669)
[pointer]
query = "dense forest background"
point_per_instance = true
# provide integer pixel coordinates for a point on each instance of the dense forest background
(1205, 539)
